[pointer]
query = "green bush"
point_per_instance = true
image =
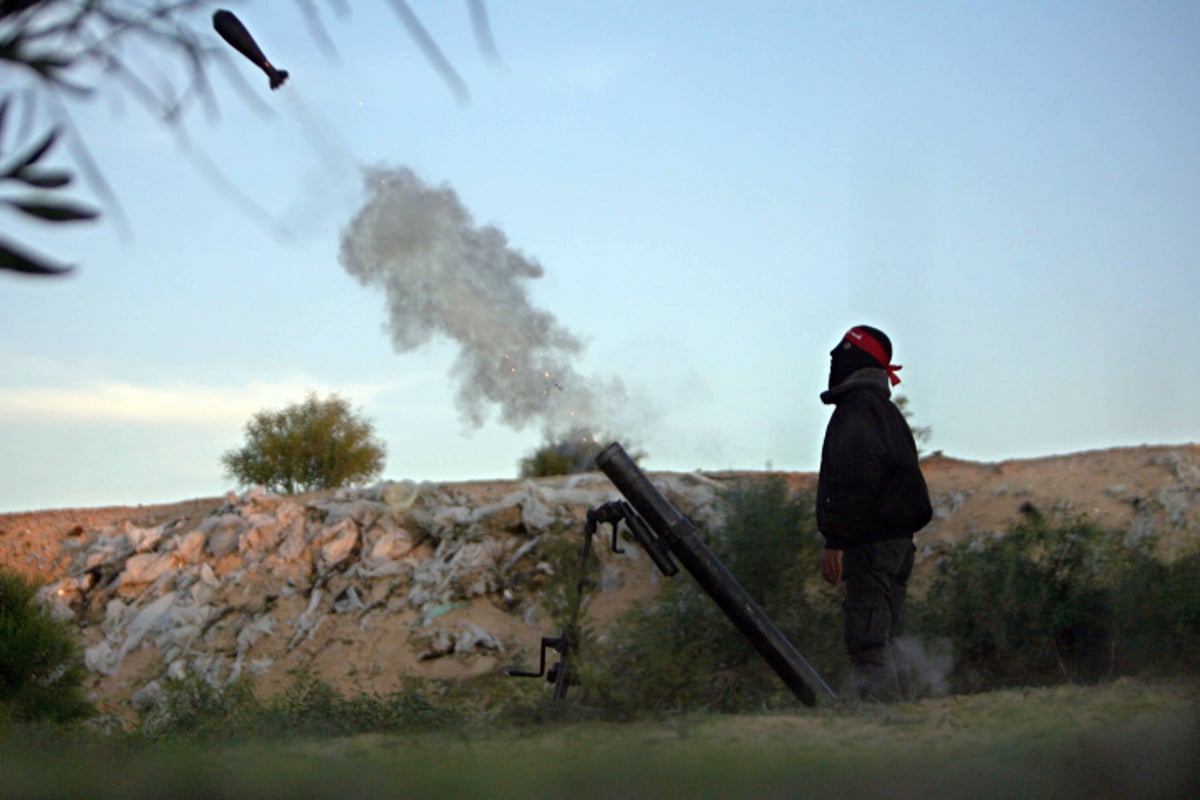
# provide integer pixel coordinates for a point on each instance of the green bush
(1063, 601)
(1156, 616)
(195, 709)
(310, 706)
(568, 454)
(684, 654)
(317, 444)
(41, 668)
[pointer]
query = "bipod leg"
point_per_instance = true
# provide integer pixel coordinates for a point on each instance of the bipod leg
(565, 675)
(564, 671)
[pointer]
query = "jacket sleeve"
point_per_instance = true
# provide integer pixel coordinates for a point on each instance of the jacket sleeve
(852, 470)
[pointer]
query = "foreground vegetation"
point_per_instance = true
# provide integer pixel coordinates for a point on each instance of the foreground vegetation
(41, 663)
(1123, 739)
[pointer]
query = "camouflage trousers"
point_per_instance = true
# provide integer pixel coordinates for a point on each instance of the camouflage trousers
(876, 577)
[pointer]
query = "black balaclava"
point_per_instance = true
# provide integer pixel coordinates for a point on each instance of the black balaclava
(863, 347)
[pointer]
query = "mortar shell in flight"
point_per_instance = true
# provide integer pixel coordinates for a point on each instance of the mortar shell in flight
(234, 32)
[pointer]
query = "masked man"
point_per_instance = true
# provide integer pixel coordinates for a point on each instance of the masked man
(871, 499)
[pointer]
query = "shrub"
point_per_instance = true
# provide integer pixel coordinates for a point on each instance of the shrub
(310, 706)
(41, 668)
(196, 710)
(684, 654)
(1006, 603)
(1157, 617)
(573, 452)
(317, 444)
(1063, 601)
(921, 433)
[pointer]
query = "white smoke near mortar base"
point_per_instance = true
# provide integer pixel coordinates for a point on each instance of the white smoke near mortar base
(928, 663)
(444, 276)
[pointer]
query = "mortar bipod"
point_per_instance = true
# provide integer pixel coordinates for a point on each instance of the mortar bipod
(562, 673)
(655, 546)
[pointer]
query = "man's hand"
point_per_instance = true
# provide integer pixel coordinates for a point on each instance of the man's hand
(831, 567)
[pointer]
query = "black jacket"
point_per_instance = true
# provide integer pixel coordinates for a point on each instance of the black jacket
(870, 487)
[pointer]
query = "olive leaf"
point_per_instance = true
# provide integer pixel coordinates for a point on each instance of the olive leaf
(44, 179)
(34, 155)
(53, 212)
(19, 261)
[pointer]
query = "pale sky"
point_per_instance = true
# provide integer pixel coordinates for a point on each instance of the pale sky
(714, 192)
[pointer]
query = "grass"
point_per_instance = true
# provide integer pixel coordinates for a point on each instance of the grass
(1123, 739)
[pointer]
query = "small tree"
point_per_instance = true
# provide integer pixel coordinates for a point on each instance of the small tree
(921, 433)
(41, 668)
(317, 444)
(573, 452)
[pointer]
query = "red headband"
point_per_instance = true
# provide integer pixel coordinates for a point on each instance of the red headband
(868, 343)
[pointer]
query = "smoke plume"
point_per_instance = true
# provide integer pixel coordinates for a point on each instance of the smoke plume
(929, 664)
(443, 276)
